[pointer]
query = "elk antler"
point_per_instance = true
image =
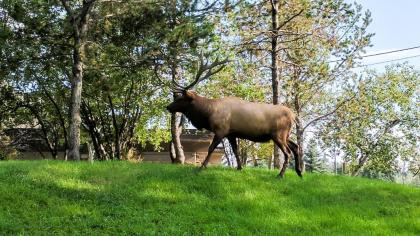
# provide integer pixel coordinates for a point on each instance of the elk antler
(205, 70)
(176, 88)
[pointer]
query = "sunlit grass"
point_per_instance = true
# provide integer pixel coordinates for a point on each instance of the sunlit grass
(121, 198)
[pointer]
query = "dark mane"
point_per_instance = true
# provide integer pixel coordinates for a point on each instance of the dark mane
(198, 114)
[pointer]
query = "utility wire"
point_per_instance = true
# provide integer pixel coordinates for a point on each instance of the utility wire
(382, 62)
(388, 52)
(382, 53)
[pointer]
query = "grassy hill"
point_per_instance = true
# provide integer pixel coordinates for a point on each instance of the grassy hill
(121, 198)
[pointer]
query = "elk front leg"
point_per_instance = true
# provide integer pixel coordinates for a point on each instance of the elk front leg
(213, 145)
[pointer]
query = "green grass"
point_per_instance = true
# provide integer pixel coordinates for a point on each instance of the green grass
(121, 198)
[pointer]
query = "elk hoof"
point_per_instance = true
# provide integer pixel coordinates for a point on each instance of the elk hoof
(202, 167)
(239, 168)
(280, 176)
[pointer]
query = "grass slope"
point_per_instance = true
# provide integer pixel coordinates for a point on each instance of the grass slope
(121, 198)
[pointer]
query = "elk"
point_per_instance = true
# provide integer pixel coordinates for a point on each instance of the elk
(204, 70)
(234, 118)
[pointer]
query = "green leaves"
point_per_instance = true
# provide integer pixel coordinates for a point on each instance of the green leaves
(379, 126)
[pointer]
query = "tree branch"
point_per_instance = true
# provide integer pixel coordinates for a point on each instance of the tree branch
(68, 9)
(290, 19)
(417, 172)
(329, 113)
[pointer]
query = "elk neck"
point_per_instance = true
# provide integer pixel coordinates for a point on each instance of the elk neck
(199, 112)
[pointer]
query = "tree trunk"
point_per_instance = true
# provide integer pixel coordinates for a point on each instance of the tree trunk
(335, 164)
(243, 152)
(60, 117)
(172, 153)
(362, 160)
(91, 153)
(176, 130)
(76, 99)
(274, 68)
(95, 135)
(97, 144)
(254, 161)
(227, 154)
(299, 126)
(244, 159)
(116, 130)
(299, 137)
(52, 146)
(79, 22)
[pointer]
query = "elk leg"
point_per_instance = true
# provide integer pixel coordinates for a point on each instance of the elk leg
(212, 146)
(286, 151)
(287, 155)
(234, 144)
(294, 147)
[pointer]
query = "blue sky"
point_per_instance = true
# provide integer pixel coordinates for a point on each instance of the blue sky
(396, 25)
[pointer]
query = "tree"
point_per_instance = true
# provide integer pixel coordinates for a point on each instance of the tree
(122, 95)
(78, 14)
(330, 29)
(313, 161)
(295, 41)
(33, 71)
(119, 88)
(379, 126)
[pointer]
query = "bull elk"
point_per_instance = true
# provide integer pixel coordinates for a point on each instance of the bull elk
(234, 118)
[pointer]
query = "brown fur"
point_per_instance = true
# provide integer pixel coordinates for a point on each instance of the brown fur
(235, 118)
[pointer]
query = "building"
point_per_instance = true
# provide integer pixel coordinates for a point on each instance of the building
(195, 144)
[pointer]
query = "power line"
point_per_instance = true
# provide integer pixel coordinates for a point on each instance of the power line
(382, 62)
(382, 53)
(388, 52)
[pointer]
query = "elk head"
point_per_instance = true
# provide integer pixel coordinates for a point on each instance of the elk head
(182, 101)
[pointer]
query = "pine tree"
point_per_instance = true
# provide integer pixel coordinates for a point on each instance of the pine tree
(313, 161)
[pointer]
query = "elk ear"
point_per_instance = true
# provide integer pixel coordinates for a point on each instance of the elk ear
(190, 94)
